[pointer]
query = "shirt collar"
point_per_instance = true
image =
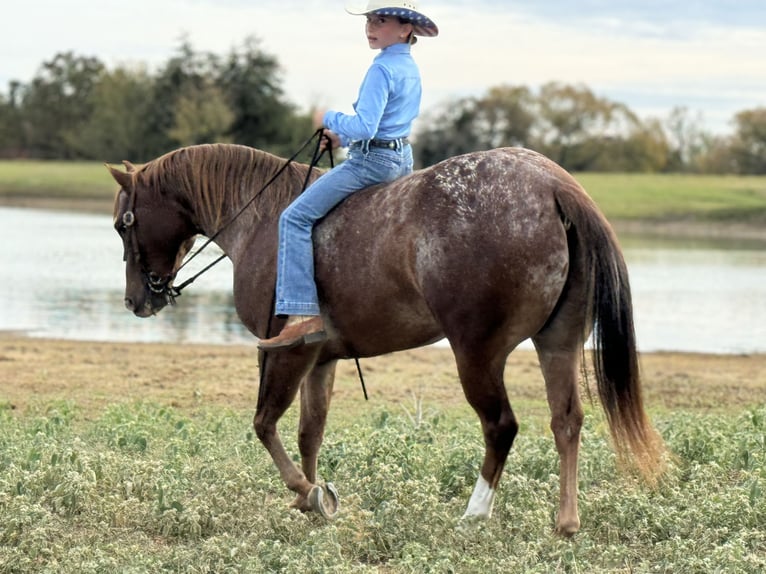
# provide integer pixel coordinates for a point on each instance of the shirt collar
(398, 48)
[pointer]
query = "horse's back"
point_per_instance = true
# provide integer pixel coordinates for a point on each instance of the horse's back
(464, 244)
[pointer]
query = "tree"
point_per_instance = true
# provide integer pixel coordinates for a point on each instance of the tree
(576, 126)
(11, 128)
(249, 78)
(504, 117)
(117, 128)
(583, 132)
(201, 116)
(450, 132)
(185, 75)
(717, 156)
(687, 140)
(58, 102)
(643, 148)
(748, 147)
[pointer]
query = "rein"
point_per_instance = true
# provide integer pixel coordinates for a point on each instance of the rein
(160, 286)
(317, 155)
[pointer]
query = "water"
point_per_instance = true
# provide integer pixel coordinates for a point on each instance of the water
(62, 276)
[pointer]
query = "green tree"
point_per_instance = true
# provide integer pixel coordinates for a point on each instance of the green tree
(201, 116)
(57, 103)
(117, 128)
(748, 148)
(576, 126)
(250, 80)
(583, 132)
(718, 155)
(450, 132)
(503, 117)
(688, 141)
(506, 116)
(11, 128)
(185, 75)
(641, 148)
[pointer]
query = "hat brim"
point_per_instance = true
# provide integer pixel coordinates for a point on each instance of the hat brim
(422, 25)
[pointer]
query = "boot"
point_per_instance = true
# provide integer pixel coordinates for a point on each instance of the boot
(297, 331)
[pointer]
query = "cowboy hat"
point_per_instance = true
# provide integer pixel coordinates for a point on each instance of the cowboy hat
(422, 25)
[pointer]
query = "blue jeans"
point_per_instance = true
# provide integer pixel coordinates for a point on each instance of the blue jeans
(365, 166)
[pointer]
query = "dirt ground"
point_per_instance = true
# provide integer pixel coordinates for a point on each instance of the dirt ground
(35, 372)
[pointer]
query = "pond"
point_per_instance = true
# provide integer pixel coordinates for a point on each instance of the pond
(62, 276)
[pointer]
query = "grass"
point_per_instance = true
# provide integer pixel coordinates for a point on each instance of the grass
(149, 488)
(124, 458)
(621, 196)
(675, 196)
(141, 458)
(55, 179)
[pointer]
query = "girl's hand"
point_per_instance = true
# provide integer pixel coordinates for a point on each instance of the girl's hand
(329, 139)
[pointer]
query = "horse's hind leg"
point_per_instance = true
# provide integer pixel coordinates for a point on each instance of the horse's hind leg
(481, 374)
(316, 392)
(560, 370)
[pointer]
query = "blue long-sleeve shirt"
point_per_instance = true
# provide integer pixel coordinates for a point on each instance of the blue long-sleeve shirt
(388, 102)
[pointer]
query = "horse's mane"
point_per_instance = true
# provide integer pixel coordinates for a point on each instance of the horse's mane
(213, 176)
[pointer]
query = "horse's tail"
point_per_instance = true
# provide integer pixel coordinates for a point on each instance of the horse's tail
(610, 315)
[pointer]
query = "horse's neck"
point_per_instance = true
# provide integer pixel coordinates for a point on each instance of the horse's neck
(233, 214)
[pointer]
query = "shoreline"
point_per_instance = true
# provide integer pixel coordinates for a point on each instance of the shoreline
(672, 229)
(36, 373)
(23, 335)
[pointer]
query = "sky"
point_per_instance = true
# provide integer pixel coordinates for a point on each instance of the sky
(706, 56)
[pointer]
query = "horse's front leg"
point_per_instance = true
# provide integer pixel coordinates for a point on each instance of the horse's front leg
(280, 382)
(316, 393)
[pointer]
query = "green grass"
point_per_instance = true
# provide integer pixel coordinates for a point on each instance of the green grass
(675, 196)
(55, 179)
(621, 196)
(144, 488)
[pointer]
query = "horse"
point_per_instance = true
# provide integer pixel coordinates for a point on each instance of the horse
(485, 249)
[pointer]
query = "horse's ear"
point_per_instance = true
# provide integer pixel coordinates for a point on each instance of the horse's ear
(124, 179)
(129, 166)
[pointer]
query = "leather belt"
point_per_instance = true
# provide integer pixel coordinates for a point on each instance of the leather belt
(389, 144)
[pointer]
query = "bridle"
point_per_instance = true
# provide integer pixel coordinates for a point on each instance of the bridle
(162, 286)
(157, 284)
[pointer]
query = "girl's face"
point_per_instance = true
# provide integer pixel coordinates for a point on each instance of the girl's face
(384, 31)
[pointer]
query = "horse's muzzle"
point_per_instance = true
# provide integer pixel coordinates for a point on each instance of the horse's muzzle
(148, 304)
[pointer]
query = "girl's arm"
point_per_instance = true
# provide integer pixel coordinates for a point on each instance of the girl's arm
(373, 97)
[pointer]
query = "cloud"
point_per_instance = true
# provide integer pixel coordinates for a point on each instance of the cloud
(715, 69)
(651, 55)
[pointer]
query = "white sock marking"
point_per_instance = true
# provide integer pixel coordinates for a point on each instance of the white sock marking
(480, 504)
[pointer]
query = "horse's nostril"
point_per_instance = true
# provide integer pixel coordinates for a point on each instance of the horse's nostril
(129, 303)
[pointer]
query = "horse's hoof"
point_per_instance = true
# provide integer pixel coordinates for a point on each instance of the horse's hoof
(568, 529)
(324, 500)
(301, 503)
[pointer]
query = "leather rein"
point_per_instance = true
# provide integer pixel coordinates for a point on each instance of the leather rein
(163, 286)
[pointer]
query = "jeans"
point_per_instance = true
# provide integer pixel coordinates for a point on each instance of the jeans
(364, 166)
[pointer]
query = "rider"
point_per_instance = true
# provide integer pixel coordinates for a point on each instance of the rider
(379, 151)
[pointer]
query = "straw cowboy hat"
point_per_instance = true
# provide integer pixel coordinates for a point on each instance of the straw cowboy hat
(422, 25)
